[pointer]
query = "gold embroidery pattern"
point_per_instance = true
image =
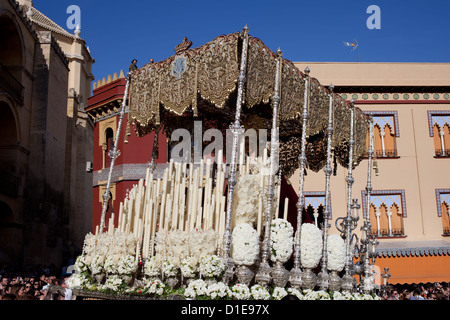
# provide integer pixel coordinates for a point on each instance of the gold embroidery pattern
(201, 84)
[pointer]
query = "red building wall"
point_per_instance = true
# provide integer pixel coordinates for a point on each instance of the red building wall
(138, 150)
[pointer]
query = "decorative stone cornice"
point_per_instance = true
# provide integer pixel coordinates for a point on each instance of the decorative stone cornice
(400, 96)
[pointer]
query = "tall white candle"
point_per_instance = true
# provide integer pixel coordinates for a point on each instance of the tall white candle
(286, 205)
(260, 210)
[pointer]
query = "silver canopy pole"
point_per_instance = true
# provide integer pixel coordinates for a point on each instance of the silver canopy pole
(263, 276)
(295, 277)
(114, 154)
(236, 129)
(324, 276)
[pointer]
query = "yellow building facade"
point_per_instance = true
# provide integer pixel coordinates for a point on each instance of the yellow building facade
(410, 105)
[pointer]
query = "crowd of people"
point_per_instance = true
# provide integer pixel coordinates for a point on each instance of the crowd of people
(39, 283)
(427, 291)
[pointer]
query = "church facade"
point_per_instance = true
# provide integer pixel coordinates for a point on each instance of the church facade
(46, 138)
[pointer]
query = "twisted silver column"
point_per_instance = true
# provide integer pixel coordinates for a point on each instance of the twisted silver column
(295, 277)
(114, 154)
(365, 241)
(324, 277)
(236, 129)
(263, 276)
(349, 223)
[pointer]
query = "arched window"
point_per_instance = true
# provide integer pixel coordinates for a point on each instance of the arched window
(443, 201)
(445, 217)
(11, 57)
(373, 220)
(385, 133)
(440, 131)
(396, 220)
(109, 138)
(315, 206)
(387, 211)
(9, 179)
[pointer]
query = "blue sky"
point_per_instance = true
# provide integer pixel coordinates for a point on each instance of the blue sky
(118, 31)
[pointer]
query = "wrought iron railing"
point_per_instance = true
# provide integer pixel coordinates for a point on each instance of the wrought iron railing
(442, 153)
(388, 153)
(10, 83)
(384, 232)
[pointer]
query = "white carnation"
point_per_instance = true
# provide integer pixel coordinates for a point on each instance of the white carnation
(336, 253)
(245, 242)
(311, 244)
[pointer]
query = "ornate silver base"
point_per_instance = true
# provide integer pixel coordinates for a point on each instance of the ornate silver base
(172, 282)
(295, 278)
(229, 273)
(263, 277)
(280, 275)
(309, 279)
(244, 275)
(100, 278)
(324, 281)
(128, 279)
(347, 283)
(335, 281)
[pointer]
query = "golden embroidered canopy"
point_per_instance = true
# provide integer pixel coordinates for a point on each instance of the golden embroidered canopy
(201, 84)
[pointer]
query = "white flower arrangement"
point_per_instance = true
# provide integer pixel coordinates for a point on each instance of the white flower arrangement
(281, 240)
(211, 266)
(202, 243)
(259, 292)
(353, 296)
(112, 283)
(240, 291)
(218, 290)
(296, 292)
(96, 265)
(127, 265)
(177, 246)
(152, 267)
(336, 253)
(110, 266)
(279, 293)
(247, 197)
(77, 281)
(81, 265)
(155, 286)
(245, 242)
(311, 244)
(196, 288)
(169, 269)
(188, 267)
(309, 294)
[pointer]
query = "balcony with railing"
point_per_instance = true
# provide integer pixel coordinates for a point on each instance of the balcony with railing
(10, 84)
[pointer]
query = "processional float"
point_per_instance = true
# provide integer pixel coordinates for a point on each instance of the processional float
(235, 79)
